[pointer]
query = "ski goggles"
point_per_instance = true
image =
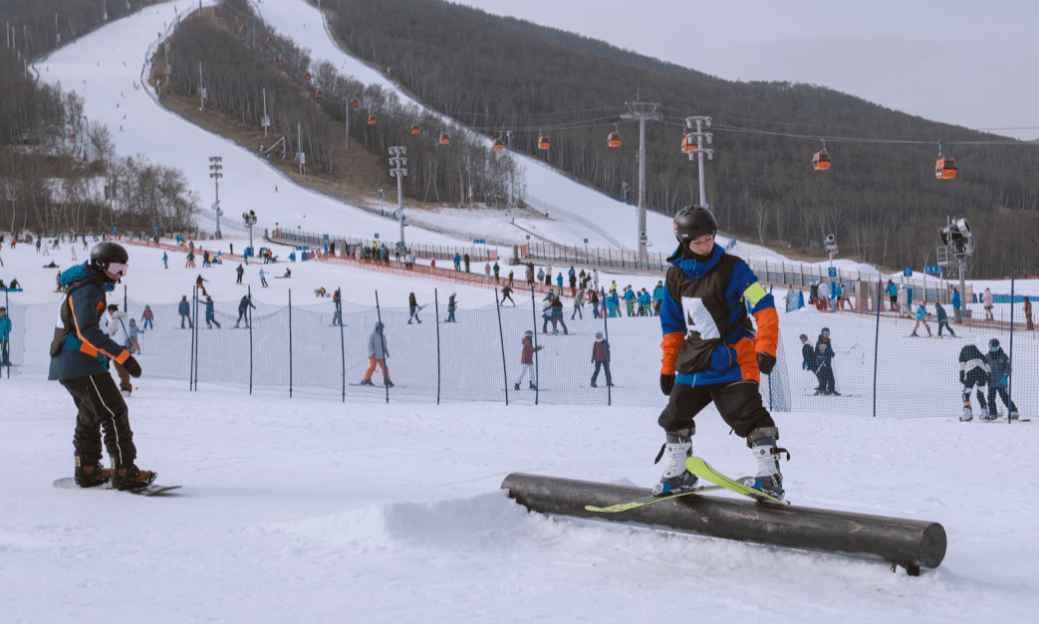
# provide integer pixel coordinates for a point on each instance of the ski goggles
(117, 269)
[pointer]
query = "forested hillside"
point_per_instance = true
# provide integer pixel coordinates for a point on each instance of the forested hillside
(880, 198)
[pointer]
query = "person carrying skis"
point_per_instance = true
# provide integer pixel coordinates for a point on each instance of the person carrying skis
(184, 309)
(974, 371)
(810, 362)
(80, 353)
(943, 320)
(601, 359)
(337, 299)
(824, 371)
(413, 307)
(527, 360)
(243, 311)
(999, 376)
(711, 352)
(378, 351)
(921, 317)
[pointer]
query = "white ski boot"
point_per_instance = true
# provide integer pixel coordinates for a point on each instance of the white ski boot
(967, 415)
(769, 479)
(676, 478)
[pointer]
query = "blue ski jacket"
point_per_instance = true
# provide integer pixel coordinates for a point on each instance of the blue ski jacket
(80, 347)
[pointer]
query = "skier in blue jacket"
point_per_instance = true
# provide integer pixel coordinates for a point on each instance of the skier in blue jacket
(80, 353)
(184, 309)
(5, 336)
(658, 297)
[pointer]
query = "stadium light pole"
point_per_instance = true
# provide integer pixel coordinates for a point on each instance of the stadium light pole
(399, 171)
(642, 111)
(215, 172)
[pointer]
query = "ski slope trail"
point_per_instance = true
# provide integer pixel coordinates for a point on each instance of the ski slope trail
(547, 189)
(103, 68)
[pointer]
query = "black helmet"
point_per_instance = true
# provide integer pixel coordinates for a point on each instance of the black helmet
(993, 345)
(804, 338)
(105, 254)
(826, 330)
(692, 222)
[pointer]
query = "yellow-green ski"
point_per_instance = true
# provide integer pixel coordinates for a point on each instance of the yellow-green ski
(649, 500)
(703, 470)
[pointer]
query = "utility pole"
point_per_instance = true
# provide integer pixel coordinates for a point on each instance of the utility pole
(214, 168)
(642, 111)
(300, 155)
(699, 137)
(57, 31)
(399, 171)
(265, 122)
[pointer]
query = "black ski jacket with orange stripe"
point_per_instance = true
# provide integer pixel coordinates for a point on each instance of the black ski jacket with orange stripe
(80, 347)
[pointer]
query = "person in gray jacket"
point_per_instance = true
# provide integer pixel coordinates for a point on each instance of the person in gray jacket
(378, 351)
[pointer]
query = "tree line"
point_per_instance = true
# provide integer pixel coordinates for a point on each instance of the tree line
(247, 66)
(882, 201)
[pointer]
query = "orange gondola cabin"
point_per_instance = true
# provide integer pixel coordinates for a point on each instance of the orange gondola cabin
(270, 40)
(499, 145)
(445, 139)
(945, 168)
(238, 19)
(277, 61)
(614, 139)
(354, 104)
(372, 120)
(543, 142)
(415, 129)
(688, 144)
(318, 94)
(244, 30)
(821, 161)
(306, 76)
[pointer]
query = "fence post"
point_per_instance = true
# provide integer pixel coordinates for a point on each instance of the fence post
(290, 343)
(342, 342)
(436, 319)
(249, 311)
(191, 356)
(534, 315)
(1010, 377)
(501, 337)
(876, 345)
(609, 378)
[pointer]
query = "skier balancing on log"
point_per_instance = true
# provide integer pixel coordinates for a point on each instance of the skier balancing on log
(712, 354)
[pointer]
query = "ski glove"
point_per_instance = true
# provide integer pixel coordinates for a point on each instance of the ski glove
(667, 383)
(766, 362)
(132, 367)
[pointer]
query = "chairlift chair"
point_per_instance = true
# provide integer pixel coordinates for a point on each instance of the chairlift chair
(688, 144)
(277, 61)
(270, 40)
(244, 30)
(306, 76)
(318, 94)
(445, 139)
(372, 120)
(354, 103)
(415, 129)
(544, 142)
(238, 19)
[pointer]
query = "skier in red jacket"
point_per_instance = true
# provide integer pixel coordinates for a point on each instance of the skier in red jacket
(527, 360)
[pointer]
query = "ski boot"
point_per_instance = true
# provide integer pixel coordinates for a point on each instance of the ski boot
(1014, 415)
(130, 477)
(990, 417)
(517, 387)
(967, 415)
(676, 478)
(769, 479)
(388, 384)
(90, 475)
(366, 382)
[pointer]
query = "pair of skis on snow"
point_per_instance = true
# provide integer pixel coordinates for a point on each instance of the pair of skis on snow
(703, 470)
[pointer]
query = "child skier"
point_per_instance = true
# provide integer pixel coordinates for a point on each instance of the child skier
(999, 374)
(974, 371)
(377, 354)
(824, 370)
(921, 317)
(601, 359)
(711, 352)
(943, 320)
(527, 360)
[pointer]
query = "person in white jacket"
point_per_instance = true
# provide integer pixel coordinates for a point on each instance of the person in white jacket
(117, 330)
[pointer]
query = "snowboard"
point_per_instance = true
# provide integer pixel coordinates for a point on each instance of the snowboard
(649, 500)
(703, 470)
(69, 483)
(377, 385)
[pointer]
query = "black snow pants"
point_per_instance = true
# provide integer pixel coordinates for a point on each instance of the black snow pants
(101, 406)
(976, 377)
(739, 404)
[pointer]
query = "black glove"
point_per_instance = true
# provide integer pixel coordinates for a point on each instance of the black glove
(961, 377)
(667, 383)
(132, 367)
(766, 362)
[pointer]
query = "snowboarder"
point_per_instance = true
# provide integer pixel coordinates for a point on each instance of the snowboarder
(211, 314)
(705, 324)
(601, 359)
(337, 299)
(413, 307)
(824, 356)
(134, 332)
(184, 309)
(377, 354)
(527, 361)
(198, 283)
(999, 376)
(243, 311)
(80, 353)
(943, 320)
(5, 337)
(974, 371)
(506, 293)
(921, 317)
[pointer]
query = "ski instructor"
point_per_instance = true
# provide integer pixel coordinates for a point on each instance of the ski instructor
(712, 353)
(79, 360)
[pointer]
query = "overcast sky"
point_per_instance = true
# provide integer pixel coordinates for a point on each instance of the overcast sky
(968, 63)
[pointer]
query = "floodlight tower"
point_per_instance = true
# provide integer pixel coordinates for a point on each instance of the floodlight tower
(215, 172)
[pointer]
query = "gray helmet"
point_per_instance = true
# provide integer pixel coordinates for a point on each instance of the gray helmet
(692, 222)
(993, 345)
(379, 325)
